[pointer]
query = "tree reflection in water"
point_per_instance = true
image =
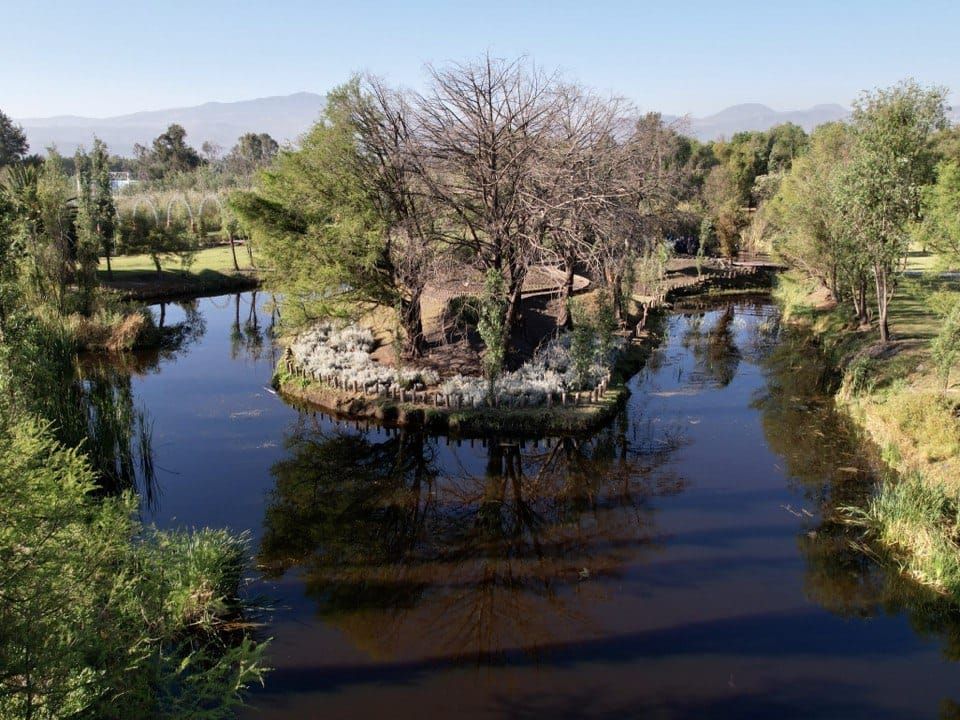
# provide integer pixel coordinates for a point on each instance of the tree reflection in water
(96, 407)
(834, 466)
(250, 337)
(398, 549)
(713, 348)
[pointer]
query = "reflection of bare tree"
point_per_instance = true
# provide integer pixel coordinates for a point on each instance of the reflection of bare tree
(398, 553)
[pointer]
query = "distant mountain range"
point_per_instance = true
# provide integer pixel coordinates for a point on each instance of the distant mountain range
(753, 116)
(286, 117)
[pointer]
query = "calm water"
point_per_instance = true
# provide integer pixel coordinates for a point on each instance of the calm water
(681, 563)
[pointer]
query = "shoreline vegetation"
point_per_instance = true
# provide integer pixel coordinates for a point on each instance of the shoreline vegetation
(893, 392)
(562, 412)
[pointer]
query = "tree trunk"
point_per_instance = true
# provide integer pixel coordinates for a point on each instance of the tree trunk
(412, 320)
(881, 282)
(156, 262)
(565, 319)
(109, 266)
(616, 296)
(864, 311)
(513, 311)
(233, 251)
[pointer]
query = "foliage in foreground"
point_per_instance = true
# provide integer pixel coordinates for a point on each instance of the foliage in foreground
(99, 617)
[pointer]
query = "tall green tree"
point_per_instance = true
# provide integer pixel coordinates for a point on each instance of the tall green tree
(252, 152)
(809, 229)
(169, 154)
(13, 141)
(893, 159)
(941, 212)
(338, 223)
(96, 213)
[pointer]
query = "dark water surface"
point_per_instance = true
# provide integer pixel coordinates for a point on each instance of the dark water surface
(683, 562)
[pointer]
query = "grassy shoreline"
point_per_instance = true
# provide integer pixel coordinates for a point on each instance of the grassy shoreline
(893, 393)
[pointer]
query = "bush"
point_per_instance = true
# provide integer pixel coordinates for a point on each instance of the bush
(100, 619)
(945, 349)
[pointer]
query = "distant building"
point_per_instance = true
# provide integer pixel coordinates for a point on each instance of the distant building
(120, 180)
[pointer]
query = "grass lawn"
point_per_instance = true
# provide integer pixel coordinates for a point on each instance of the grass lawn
(217, 259)
(135, 276)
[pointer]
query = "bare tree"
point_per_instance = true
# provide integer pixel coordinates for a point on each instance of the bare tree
(386, 125)
(579, 181)
(652, 181)
(481, 130)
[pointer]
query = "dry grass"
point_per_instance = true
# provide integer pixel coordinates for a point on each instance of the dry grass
(107, 330)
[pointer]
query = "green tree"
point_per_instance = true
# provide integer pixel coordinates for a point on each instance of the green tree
(893, 158)
(169, 154)
(810, 231)
(13, 141)
(96, 215)
(785, 143)
(338, 223)
(941, 212)
(252, 152)
(173, 240)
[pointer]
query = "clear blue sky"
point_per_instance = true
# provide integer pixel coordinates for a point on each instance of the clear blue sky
(106, 57)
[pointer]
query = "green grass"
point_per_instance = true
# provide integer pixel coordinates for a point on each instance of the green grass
(920, 522)
(211, 271)
(215, 259)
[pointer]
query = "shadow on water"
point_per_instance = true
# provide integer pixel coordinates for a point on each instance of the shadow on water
(406, 545)
(413, 547)
(832, 464)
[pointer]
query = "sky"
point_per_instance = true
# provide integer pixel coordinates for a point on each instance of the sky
(104, 57)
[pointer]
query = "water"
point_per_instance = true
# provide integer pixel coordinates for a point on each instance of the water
(683, 562)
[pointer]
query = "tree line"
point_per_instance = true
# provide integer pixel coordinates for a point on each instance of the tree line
(851, 207)
(499, 166)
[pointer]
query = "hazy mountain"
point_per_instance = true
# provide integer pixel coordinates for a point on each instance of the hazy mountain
(284, 117)
(753, 116)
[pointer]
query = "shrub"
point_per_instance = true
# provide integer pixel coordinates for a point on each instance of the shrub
(945, 349)
(583, 345)
(101, 619)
